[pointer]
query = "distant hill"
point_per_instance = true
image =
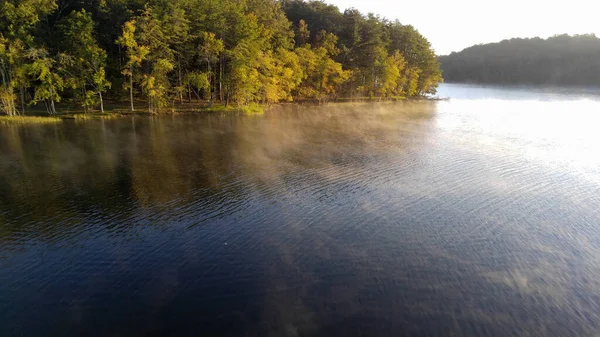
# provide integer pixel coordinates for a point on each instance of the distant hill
(560, 60)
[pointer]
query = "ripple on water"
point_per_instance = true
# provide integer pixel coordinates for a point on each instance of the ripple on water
(413, 219)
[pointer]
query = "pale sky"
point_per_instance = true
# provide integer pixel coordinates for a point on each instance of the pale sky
(452, 25)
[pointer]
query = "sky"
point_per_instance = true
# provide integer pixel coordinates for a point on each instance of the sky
(452, 25)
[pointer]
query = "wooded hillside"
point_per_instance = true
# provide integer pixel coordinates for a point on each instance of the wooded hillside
(561, 60)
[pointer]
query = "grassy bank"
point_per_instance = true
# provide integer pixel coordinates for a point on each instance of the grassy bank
(120, 109)
(38, 114)
(88, 116)
(29, 119)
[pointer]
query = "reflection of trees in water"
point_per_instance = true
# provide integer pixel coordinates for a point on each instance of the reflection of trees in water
(48, 179)
(62, 175)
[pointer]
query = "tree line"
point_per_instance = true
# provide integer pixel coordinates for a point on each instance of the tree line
(167, 52)
(558, 60)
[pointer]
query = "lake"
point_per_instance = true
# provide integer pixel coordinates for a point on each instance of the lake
(476, 216)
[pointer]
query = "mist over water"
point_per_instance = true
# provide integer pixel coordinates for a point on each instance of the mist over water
(473, 216)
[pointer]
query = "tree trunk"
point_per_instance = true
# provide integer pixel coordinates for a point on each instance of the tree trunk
(210, 86)
(22, 99)
(197, 95)
(14, 105)
(221, 80)
(85, 107)
(52, 105)
(180, 85)
(5, 87)
(101, 102)
(131, 88)
(120, 58)
(4, 82)
(52, 108)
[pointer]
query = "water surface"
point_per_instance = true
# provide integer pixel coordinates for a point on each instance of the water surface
(476, 216)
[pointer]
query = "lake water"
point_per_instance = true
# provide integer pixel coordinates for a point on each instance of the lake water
(477, 216)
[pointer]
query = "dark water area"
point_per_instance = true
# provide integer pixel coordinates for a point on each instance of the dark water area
(476, 216)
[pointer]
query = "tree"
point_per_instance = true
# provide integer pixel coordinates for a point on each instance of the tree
(302, 34)
(418, 55)
(19, 17)
(365, 42)
(211, 48)
(391, 79)
(180, 40)
(243, 77)
(136, 54)
(279, 73)
(89, 60)
(196, 82)
(17, 21)
(154, 85)
(49, 81)
(8, 54)
(322, 76)
(159, 62)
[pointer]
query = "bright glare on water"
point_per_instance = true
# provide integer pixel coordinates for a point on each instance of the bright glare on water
(476, 216)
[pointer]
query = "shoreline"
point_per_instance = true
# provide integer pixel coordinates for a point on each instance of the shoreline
(188, 108)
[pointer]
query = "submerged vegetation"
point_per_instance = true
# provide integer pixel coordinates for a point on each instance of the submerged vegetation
(559, 60)
(169, 52)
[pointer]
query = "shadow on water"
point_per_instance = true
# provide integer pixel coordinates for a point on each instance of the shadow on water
(349, 220)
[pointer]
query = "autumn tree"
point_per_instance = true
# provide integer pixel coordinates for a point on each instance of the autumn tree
(322, 76)
(240, 51)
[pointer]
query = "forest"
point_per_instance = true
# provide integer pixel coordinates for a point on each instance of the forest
(558, 60)
(165, 53)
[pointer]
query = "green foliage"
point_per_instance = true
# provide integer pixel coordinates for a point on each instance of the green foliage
(412, 76)
(210, 49)
(49, 82)
(561, 60)
(322, 76)
(418, 55)
(17, 20)
(225, 51)
(252, 109)
(198, 81)
(87, 68)
(302, 33)
(391, 77)
(19, 17)
(136, 54)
